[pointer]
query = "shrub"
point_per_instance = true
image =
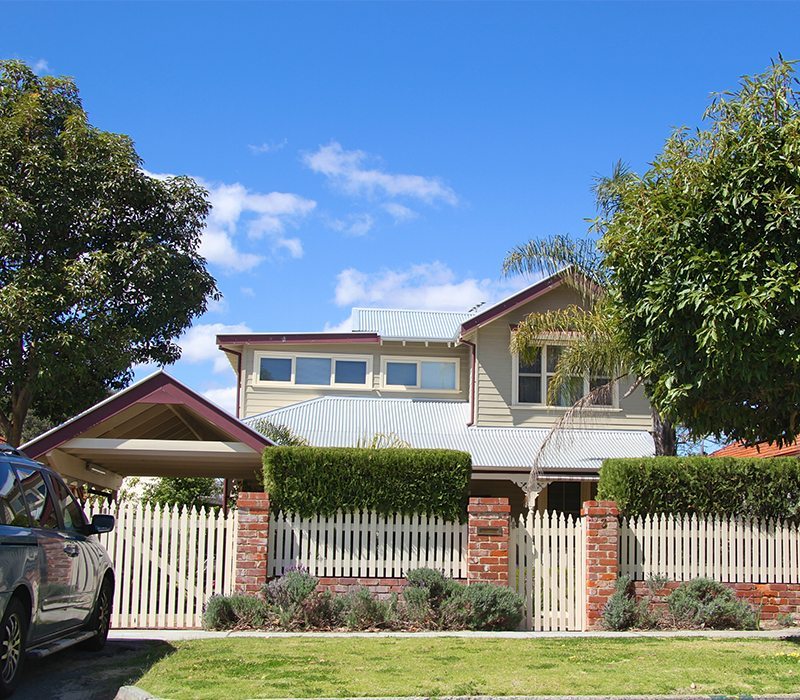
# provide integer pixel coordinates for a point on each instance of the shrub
(433, 583)
(321, 610)
(289, 590)
(623, 611)
(238, 611)
(321, 480)
(417, 606)
(482, 606)
(748, 487)
(706, 604)
(364, 611)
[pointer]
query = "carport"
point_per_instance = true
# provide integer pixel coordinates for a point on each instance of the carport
(155, 427)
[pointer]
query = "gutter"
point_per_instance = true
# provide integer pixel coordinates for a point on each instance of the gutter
(474, 379)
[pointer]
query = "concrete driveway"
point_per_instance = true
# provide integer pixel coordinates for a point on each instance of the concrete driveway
(74, 674)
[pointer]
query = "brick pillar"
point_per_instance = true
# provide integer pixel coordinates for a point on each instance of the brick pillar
(601, 524)
(252, 539)
(487, 541)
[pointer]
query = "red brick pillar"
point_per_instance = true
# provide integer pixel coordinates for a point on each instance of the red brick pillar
(252, 539)
(487, 543)
(601, 521)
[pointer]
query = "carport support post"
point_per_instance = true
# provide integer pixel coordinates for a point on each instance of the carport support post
(601, 527)
(252, 539)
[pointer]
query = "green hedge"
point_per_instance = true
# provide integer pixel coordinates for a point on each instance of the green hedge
(761, 488)
(322, 480)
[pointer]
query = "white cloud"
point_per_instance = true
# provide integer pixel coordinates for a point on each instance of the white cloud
(262, 215)
(41, 66)
(267, 147)
(343, 327)
(425, 286)
(353, 225)
(399, 212)
(347, 170)
(248, 291)
(225, 398)
(199, 343)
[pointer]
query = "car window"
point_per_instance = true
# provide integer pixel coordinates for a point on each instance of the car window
(12, 502)
(40, 502)
(72, 512)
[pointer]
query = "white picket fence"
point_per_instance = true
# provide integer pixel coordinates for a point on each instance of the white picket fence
(367, 545)
(168, 562)
(731, 550)
(547, 568)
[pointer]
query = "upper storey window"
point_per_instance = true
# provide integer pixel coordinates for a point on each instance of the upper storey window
(532, 380)
(420, 373)
(314, 370)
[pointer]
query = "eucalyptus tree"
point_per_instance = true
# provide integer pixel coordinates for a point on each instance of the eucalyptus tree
(99, 262)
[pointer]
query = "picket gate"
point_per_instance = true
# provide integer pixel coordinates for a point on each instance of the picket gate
(367, 545)
(167, 562)
(547, 568)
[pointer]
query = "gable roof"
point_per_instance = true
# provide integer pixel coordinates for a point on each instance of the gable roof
(409, 324)
(158, 388)
(342, 421)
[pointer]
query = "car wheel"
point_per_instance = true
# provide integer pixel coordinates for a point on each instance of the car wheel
(100, 621)
(13, 631)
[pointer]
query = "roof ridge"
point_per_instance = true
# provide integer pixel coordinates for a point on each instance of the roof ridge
(412, 311)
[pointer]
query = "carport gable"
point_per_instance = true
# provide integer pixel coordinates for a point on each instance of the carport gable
(156, 427)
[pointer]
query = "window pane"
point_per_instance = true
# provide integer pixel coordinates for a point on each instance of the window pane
(553, 356)
(530, 390)
(275, 369)
(351, 372)
(312, 370)
(605, 396)
(564, 497)
(40, 504)
(534, 367)
(71, 511)
(401, 373)
(438, 375)
(12, 503)
(569, 393)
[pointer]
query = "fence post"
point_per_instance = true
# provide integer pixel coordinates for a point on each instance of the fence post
(252, 538)
(601, 524)
(488, 540)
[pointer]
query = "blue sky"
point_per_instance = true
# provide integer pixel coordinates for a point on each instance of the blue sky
(387, 154)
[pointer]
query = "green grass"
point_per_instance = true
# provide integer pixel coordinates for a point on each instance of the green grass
(335, 667)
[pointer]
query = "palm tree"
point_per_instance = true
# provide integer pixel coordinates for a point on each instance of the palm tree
(596, 345)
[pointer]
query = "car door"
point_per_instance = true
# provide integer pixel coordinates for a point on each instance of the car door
(58, 609)
(86, 565)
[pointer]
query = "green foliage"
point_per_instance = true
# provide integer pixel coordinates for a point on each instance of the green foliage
(482, 606)
(706, 604)
(322, 480)
(757, 488)
(99, 261)
(363, 611)
(704, 254)
(623, 611)
(321, 611)
(237, 611)
(289, 591)
(194, 491)
(279, 434)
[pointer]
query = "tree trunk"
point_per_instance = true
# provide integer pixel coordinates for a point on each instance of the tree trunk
(664, 436)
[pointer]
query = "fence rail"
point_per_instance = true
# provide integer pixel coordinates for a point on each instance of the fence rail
(731, 550)
(168, 562)
(547, 568)
(367, 545)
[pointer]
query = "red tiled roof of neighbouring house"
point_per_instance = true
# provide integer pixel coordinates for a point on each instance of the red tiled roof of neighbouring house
(762, 449)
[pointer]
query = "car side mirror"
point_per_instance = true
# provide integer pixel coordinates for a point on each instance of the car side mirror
(102, 523)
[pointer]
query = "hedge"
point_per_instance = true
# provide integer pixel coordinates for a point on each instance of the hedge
(321, 480)
(747, 487)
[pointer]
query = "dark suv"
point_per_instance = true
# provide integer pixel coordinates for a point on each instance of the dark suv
(56, 579)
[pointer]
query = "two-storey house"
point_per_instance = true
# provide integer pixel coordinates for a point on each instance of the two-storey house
(442, 379)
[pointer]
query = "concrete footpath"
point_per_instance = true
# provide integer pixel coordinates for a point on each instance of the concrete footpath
(134, 693)
(177, 635)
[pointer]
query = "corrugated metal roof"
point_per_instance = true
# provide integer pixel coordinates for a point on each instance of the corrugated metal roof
(408, 324)
(335, 421)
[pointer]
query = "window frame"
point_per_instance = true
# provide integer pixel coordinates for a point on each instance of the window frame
(418, 360)
(293, 356)
(544, 406)
(36, 524)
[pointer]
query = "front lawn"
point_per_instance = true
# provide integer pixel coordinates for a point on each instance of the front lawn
(357, 666)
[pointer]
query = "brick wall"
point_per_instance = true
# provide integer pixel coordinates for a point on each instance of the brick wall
(772, 599)
(487, 540)
(252, 539)
(381, 587)
(601, 519)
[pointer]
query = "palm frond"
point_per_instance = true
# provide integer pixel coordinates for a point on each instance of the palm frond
(607, 190)
(279, 434)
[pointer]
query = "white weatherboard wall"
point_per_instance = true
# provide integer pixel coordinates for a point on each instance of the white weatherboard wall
(367, 545)
(168, 562)
(731, 550)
